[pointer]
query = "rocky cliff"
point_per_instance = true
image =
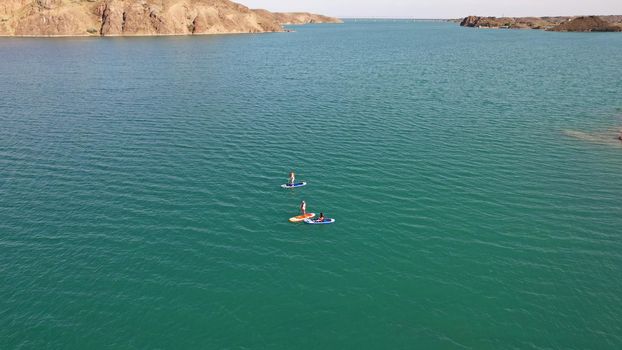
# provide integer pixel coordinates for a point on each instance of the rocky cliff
(590, 23)
(139, 17)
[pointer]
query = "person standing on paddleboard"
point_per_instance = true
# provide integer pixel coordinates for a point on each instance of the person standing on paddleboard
(292, 177)
(303, 207)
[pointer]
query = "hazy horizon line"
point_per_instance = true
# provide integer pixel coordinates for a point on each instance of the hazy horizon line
(449, 18)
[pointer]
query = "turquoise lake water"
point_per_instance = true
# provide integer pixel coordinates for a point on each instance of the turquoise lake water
(474, 176)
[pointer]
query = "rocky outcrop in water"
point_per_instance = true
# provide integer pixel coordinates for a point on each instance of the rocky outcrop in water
(140, 17)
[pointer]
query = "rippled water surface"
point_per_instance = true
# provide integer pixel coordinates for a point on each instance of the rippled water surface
(140, 204)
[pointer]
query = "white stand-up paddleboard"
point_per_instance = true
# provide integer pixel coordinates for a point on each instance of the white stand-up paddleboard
(297, 184)
(315, 222)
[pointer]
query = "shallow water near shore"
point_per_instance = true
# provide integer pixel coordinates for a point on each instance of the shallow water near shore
(140, 199)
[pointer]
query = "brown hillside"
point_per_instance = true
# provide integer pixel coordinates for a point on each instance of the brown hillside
(135, 17)
(604, 23)
(587, 24)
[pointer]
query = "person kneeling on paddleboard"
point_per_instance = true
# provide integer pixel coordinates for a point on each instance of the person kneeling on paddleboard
(303, 207)
(292, 177)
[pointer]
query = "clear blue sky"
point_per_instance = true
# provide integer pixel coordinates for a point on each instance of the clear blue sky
(441, 8)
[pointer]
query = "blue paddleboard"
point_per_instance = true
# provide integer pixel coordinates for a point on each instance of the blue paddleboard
(298, 184)
(315, 222)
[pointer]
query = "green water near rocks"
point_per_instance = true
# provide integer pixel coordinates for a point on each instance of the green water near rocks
(140, 204)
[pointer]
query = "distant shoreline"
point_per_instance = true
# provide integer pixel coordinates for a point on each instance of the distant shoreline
(141, 35)
(611, 23)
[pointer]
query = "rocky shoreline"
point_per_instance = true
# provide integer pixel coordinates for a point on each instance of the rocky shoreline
(555, 24)
(61, 18)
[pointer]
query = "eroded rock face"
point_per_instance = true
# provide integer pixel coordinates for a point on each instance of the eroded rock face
(48, 4)
(140, 17)
(111, 13)
(470, 21)
(48, 18)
